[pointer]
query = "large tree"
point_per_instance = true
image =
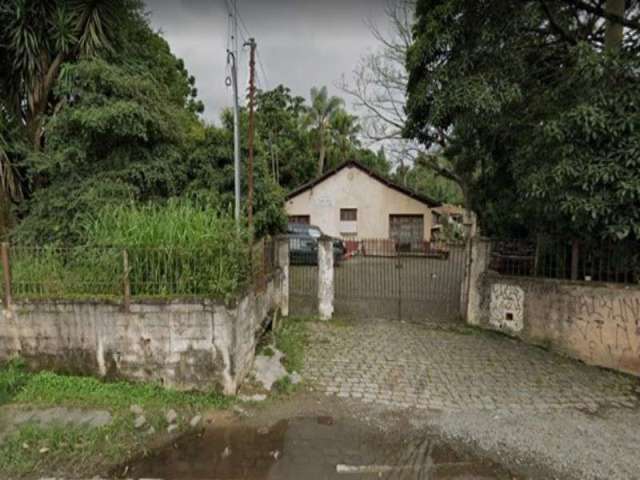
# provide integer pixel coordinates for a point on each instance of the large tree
(540, 112)
(39, 36)
(320, 114)
(118, 131)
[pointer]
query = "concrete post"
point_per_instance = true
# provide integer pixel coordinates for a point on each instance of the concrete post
(479, 254)
(282, 252)
(325, 278)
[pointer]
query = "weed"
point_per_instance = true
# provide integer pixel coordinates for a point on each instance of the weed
(291, 339)
(284, 386)
(12, 380)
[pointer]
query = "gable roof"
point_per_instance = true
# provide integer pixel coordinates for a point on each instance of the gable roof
(376, 176)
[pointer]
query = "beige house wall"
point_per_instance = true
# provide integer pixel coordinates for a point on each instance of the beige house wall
(353, 188)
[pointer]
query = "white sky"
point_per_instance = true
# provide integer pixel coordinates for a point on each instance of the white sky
(301, 43)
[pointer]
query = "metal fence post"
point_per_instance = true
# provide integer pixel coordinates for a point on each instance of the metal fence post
(6, 270)
(125, 281)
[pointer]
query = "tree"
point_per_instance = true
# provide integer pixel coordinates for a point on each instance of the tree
(343, 132)
(39, 36)
(119, 134)
(320, 114)
(379, 87)
(513, 103)
(281, 130)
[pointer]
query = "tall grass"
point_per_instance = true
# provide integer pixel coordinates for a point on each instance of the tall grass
(178, 249)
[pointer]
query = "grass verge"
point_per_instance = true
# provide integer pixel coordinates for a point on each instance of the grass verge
(77, 449)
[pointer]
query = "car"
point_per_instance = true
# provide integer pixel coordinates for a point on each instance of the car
(303, 244)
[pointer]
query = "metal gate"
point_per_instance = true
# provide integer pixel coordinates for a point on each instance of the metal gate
(386, 279)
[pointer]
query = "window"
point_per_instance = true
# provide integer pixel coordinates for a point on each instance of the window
(348, 215)
(305, 219)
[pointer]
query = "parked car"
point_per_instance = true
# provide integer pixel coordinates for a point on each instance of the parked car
(303, 244)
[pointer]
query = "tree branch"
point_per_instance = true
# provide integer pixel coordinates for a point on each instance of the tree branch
(599, 11)
(556, 25)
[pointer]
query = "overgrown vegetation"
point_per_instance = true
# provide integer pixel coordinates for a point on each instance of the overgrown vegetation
(535, 104)
(82, 450)
(180, 248)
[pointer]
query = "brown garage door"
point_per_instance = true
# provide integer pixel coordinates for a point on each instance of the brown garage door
(407, 231)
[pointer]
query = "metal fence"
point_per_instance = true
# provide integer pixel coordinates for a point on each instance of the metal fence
(544, 257)
(383, 278)
(46, 272)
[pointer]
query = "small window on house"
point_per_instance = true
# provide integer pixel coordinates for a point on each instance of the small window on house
(348, 214)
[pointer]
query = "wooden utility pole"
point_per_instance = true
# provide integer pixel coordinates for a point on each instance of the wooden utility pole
(252, 92)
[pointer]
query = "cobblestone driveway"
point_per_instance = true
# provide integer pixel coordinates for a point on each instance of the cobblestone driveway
(408, 365)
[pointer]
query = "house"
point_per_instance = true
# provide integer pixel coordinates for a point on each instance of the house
(353, 202)
(460, 222)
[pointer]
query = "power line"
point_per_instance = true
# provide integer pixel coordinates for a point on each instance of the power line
(245, 39)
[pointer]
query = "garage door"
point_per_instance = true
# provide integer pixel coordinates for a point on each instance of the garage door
(407, 231)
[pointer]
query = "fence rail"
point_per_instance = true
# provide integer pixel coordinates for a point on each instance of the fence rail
(597, 261)
(46, 272)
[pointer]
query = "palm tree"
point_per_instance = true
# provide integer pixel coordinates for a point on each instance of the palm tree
(10, 188)
(37, 37)
(319, 117)
(344, 134)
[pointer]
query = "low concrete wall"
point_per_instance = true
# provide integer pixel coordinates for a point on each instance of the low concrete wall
(596, 323)
(182, 344)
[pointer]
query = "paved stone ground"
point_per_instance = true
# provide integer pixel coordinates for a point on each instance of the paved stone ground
(412, 366)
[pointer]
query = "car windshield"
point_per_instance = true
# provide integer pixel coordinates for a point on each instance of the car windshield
(315, 232)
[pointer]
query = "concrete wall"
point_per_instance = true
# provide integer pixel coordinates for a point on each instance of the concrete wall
(182, 344)
(593, 322)
(353, 188)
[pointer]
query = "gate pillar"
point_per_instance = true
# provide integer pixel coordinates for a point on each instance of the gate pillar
(326, 277)
(282, 259)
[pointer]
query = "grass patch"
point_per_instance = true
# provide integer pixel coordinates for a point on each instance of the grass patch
(12, 380)
(69, 450)
(291, 339)
(47, 389)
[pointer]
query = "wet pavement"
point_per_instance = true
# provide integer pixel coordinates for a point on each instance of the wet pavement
(310, 447)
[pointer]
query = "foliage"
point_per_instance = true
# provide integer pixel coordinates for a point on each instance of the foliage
(12, 379)
(82, 450)
(424, 180)
(119, 140)
(320, 115)
(530, 109)
(283, 139)
(180, 248)
(291, 338)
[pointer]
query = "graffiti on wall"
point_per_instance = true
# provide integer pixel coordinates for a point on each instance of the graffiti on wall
(507, 307)
(607, 325)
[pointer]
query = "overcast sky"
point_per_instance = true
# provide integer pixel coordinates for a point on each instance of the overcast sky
(301, 43)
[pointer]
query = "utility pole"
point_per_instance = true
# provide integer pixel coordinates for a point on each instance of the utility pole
(252, 91)
(232, 57)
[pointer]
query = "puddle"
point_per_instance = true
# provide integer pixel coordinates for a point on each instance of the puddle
(309, 448)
